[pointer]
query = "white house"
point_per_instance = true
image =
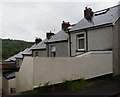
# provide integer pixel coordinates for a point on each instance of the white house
(99, 32)
(89, 49)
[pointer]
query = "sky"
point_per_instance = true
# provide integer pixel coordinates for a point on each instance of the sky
(28, 19)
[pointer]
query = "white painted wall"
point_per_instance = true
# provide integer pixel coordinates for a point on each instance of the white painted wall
(38, 71)
(24, 79)
(57, 70)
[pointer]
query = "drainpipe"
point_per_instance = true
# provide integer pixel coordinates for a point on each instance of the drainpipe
(69, 41)
(86, 40)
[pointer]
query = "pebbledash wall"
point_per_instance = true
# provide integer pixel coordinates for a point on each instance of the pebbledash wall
(36, 71)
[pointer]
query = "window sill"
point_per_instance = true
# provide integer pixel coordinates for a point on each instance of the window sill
(80, 50)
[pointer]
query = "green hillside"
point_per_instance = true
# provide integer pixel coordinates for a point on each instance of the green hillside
(11, 47)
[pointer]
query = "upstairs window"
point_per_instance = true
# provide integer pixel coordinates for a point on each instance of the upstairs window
(53, 51)
(81, 42)
(36, 54)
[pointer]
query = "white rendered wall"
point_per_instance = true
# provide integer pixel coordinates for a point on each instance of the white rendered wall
(37, 71)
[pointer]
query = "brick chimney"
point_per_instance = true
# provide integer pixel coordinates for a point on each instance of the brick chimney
(88, 13)
(49, 34)
(65, 25)
(38, 40)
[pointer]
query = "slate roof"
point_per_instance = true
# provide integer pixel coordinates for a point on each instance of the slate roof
(19, 55)
(29, 50)
(9, 75)
(99, 18)
(60, 36)
(40, 45)
(12, 58)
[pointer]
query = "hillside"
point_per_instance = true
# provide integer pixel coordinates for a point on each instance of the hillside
(11, 47)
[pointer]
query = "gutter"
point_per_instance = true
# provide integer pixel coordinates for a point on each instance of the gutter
(56, 41)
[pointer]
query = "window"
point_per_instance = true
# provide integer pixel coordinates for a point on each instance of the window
(53, 51)
(36, 54)
(81, 42)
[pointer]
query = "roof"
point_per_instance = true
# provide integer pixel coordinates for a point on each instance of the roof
(12, 58)
(41, 45)
(60, 36)
(29, 50)
(19, 55)
(9, 75)
(102, 17)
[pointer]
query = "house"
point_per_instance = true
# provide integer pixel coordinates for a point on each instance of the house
(53, 44)
(57, 46)
(86, 50)
(97, 31)
(8, 77)
(89, 49)
(9, 67)
(28, 52)
(40, 49)
(19, 57)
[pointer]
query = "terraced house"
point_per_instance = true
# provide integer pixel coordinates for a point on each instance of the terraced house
(87, 49)
(98, 31)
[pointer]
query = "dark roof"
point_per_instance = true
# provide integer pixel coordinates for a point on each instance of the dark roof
(9, 75)
(60, 36)
(102, 17)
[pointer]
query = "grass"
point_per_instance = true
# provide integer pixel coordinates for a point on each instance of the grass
(74, 85)
(65, 86)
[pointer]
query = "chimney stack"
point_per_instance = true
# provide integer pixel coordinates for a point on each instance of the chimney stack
(65, 25)
(88, 13)
(49, 34)
(38, 40)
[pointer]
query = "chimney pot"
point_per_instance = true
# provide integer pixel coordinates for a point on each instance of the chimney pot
(49, 34)
(38, 40)
(88, 13)
(65, 25)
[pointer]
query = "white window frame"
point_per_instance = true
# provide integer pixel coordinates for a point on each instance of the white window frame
(77, 41)
(53, 51)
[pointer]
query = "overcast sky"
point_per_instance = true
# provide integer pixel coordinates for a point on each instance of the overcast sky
(27, 20)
